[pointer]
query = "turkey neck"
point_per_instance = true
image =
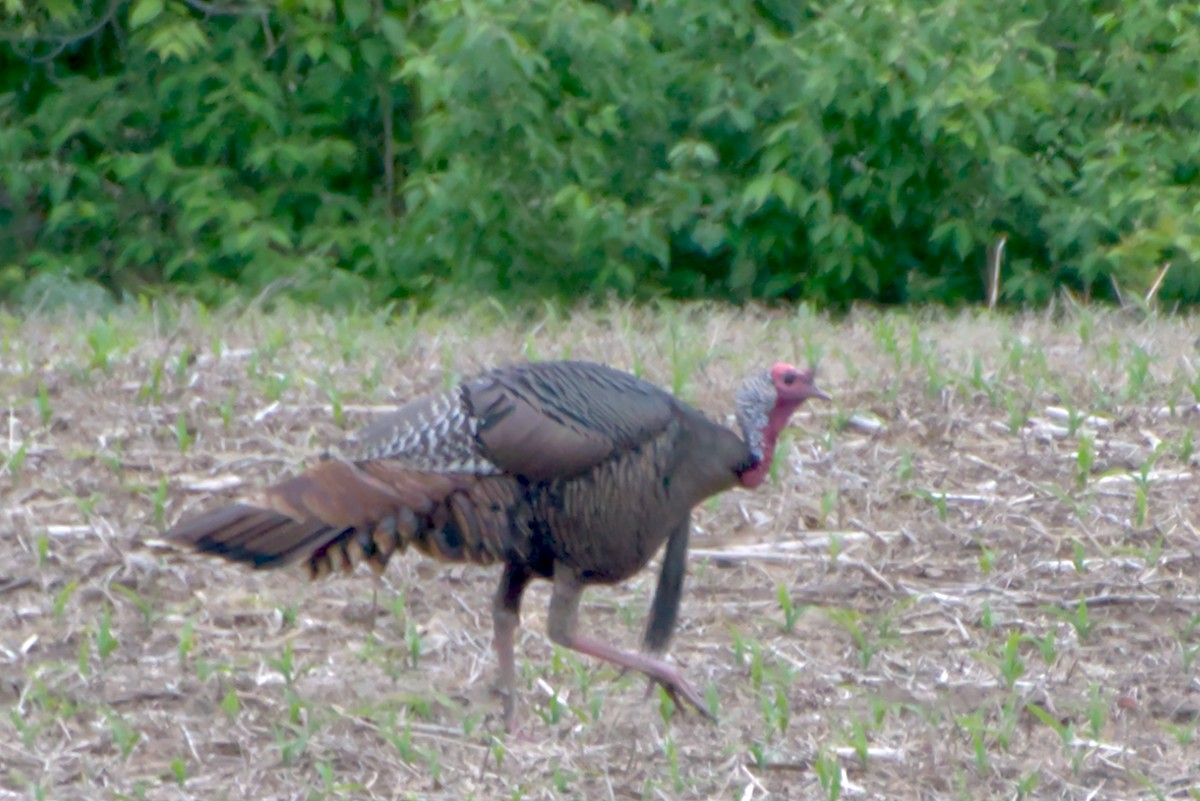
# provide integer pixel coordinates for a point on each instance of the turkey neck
(708, 458)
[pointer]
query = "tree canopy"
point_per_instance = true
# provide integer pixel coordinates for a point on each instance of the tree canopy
(371, 150)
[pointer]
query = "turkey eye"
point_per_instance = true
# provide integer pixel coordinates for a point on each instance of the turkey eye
(789, 379)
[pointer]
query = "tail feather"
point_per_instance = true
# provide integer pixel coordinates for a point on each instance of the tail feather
(245, 533)
(337, 514)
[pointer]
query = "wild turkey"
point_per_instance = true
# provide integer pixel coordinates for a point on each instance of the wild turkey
(569, 471)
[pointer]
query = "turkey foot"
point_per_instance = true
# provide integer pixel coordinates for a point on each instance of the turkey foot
(659, 672)
(564, 616)
(682, 689)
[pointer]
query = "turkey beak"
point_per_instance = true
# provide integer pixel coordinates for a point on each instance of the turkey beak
(819, 394)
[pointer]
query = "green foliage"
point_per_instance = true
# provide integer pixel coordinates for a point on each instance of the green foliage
(375, 149)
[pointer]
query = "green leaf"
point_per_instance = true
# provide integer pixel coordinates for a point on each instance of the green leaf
(356, 12)
(757, 192)
(395, 31)
(144, 12)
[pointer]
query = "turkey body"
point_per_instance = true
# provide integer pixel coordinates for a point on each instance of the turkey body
(569, 471)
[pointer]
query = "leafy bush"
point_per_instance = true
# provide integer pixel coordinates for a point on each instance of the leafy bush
(377, 149)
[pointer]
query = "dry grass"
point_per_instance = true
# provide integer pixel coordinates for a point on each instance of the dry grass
(984, 598)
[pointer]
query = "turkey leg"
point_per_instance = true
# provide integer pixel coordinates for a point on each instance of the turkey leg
(561, 625)
(665, 609)
(506, 616)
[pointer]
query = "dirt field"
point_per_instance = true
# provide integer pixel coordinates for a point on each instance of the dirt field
(975, 574)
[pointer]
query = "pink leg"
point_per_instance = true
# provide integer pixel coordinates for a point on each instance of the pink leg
(564, 615)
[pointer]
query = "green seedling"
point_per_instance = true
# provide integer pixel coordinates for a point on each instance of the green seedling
(1026, 785)
(1188, 652)
(552, 711)
(595, 706)
(45, 412)
(1012, 666)
(740, 648)
(291, 740)
(15, 463)
(835, 547)
(1085, 457)
(412, 638)
(677, 780)
(562, 778)
(1010, 716)
(1078, 556)
(973, 725)
(916, 349)
(185, 360)
(980, 383)
(43, 549)
(183, 436)
(1047, 647)
(145, 607)
(1137, 372)
(791, 612)
(160, 503)
(756, 666)
(277, 385)
(1141, 506)
(1184, 735)
(274, 342)
(1017, 409)
(1078, 618)
(106, 643)
(685, 355)
(83, 657)
(666, 706)
(987, 559)
(288, 615)
(885, 338)
(1065, 731)
(402, 740)
(63, 597)
(86, 505)
(285, 665)
(829, 500)
(858, 740)
(450, 376)
(227, 408)
(852, 623)
(335, 404)
(151, 389)
(712, 699)
(187, 641)
(28, 731)
(776, 710)
(102, 341)
(936, 379)
(785, 445)
(1097, 711)
(1075, 417)
(1142, 484)
(124, 736)
(829, 773)
(529, 349)
(372, 382)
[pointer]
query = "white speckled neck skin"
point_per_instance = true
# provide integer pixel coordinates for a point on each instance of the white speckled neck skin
(754, 402)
